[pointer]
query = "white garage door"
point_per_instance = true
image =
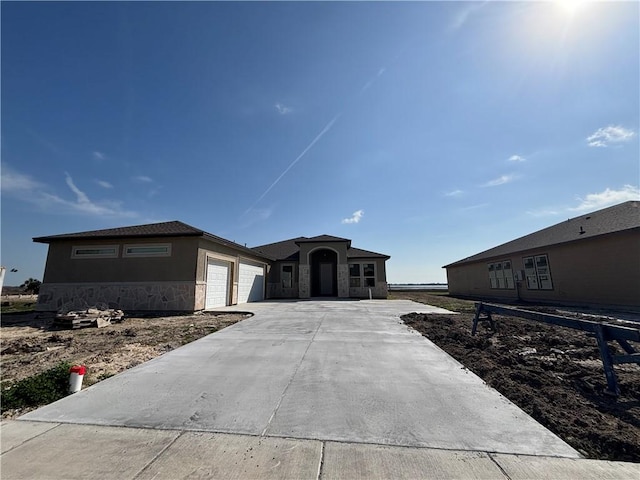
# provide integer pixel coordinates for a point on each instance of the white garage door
(250, 282)
(217, 284)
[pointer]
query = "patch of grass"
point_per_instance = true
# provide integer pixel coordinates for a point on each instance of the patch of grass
(17, 306)
(40, 389)
(440, 299)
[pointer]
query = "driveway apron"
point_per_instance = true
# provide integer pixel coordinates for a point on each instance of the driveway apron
(346, 371)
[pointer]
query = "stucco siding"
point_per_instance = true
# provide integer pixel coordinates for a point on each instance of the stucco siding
(61, 267)
(602, 270)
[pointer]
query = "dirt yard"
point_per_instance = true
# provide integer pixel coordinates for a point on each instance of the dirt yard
(31, 345)
(554, 374)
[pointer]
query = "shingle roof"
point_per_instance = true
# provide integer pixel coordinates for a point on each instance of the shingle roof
(285, 250)
(323, 238)
(290, 249)
(164, 229)
(624, 216)
(359, 253)
(151, 230)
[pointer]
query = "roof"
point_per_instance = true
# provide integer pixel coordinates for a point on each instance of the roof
(165, 229)
(618, 218)
(323, 239)
(285, 250)
(290, 249)
(358, 253)
(151, 230)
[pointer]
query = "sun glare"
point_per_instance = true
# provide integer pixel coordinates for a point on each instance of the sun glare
(571, 7)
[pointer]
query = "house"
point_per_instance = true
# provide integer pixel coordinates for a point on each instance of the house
(324, 266)
(172, 266)
(593, 259)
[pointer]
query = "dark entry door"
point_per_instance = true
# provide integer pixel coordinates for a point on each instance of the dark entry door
(324, 270)
(326, 279)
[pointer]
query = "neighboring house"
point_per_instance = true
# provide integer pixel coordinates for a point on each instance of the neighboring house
(324, 266)
(173, 266)
(593, 259)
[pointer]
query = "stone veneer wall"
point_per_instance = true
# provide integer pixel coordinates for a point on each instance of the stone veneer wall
(343, 281)
(381, 290)
(150, 296)
(200, 294)
(304, 281)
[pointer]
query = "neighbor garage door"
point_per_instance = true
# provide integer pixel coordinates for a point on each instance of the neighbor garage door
(217, 284)
(250, 282)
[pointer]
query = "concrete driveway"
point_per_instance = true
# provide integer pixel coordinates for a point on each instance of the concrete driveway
(346, 371)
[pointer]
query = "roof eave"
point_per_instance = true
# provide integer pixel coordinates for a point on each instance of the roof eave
(56, 238)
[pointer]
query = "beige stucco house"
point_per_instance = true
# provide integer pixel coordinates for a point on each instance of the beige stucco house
(593, 259)
(172, 266)
(324, 266)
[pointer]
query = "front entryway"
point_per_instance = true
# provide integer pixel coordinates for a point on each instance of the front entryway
(324, 282)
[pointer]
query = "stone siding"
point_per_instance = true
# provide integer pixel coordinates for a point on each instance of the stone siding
(381, 290)
(343, 280)
(304, 284)
(149, 296)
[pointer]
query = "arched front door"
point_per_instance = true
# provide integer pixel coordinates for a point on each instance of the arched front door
(324, 273)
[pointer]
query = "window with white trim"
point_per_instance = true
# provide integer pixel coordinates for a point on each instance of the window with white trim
(362, 274)
(286, 276)
(501, 275)
(147, 250)
(538, 275)
(95, 251)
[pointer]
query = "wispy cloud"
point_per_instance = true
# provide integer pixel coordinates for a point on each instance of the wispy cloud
(104, 184)
(142, 179)
(16, 183)
(82, 197)
(603, 137)
(606, 198)
(326, 128)
(29, 190)
(453, 193)
(464, 14)
(283, 109)
(355, 218)
(474, 207)
(517, 158)
(99, 155)
(501, 180)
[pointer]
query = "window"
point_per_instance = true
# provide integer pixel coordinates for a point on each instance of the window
(95, 251)
(369, 274)
(501, 275)
(536, 270)
(148, 250)
(362, 275)
(286, 276)
(354, 275)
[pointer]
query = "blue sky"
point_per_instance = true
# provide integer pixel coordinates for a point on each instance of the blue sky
(427, 131)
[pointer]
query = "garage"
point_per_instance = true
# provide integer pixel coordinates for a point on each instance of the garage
(250, 282)
(217, 294)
